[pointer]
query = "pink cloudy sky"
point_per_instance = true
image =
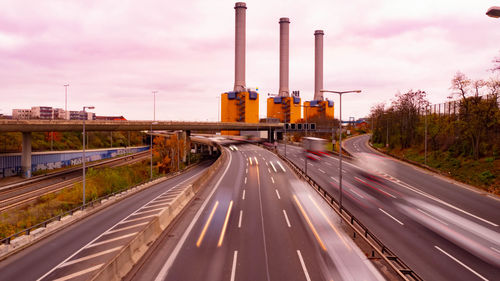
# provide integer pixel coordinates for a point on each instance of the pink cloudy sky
(114, 53)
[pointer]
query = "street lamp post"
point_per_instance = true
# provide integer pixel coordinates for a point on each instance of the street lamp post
(151, 147)
(340, 139)
(83, 155)
(154, 105)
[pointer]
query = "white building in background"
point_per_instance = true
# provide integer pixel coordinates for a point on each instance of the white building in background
(21, 114)
(59, 113)
(42, 112)
(49, 113)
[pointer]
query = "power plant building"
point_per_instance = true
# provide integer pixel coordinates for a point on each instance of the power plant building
(241, 104)
(318, 107)
(284, 107)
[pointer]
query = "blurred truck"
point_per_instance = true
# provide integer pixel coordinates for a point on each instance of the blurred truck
(313, 146)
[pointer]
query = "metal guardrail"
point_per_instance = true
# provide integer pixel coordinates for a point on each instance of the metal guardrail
(383, 251)
(27, 231)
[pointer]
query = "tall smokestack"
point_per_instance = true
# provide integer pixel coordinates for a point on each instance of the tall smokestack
(318, 64)
(239, 53)
(284, 58)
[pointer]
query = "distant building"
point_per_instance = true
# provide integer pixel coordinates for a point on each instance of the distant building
(59, 113)
(79, 115)
(21, 114)
(113, 118)
(41, 112)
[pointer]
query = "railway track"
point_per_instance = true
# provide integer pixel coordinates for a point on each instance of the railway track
(24, 194)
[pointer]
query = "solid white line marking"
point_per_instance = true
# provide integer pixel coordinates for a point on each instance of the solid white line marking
(322, 171)
(429, 215)
(91, 256)
(256, 162)
(155, 206)
(239, 221)
(112, 240)
(416, 190)
(278, 194)
(461, 263)
(377, 188)
(272, 165)
(164, 270)
(495, 249)
(137, 219)
(355, 192)
(122, 221)
(391, 216)
(272, 179)
(125, 228)
(286, 218)
(245, 180)
(243, 196)
(303, 266)
(250, 159)
(148, 211)
(233, 269)
(283, 168)
(79, 273)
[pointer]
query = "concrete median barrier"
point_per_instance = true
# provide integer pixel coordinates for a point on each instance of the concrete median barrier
(124, 261)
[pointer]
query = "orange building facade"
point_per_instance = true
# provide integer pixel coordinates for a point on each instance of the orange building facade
(239, 107)
(286, 109)
(318, 108)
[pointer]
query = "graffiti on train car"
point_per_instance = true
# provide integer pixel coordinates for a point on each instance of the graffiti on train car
(10, 164)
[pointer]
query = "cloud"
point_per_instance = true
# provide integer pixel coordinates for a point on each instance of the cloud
(113, 54)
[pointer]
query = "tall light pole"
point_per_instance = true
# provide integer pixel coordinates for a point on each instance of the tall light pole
(66, 101)
(154, 105)
(151, 147)
(340, 139)
(83, 155)
(493, 12)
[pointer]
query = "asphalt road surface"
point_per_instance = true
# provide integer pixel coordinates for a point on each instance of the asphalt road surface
(259, 222)
(443, 230)
(75, 252)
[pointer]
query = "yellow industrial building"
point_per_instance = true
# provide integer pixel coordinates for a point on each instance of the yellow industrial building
(318, 108)
(286, 109)
(239, 107)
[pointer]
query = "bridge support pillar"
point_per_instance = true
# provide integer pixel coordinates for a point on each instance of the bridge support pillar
(26, 156)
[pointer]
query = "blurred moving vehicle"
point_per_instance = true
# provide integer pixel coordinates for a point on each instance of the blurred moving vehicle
(313, 147)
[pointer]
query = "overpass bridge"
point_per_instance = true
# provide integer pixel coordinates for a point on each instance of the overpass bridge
(26, 127)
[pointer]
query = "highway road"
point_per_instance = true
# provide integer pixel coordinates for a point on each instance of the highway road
(258, 222)
(441, 229)
(80, 249)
